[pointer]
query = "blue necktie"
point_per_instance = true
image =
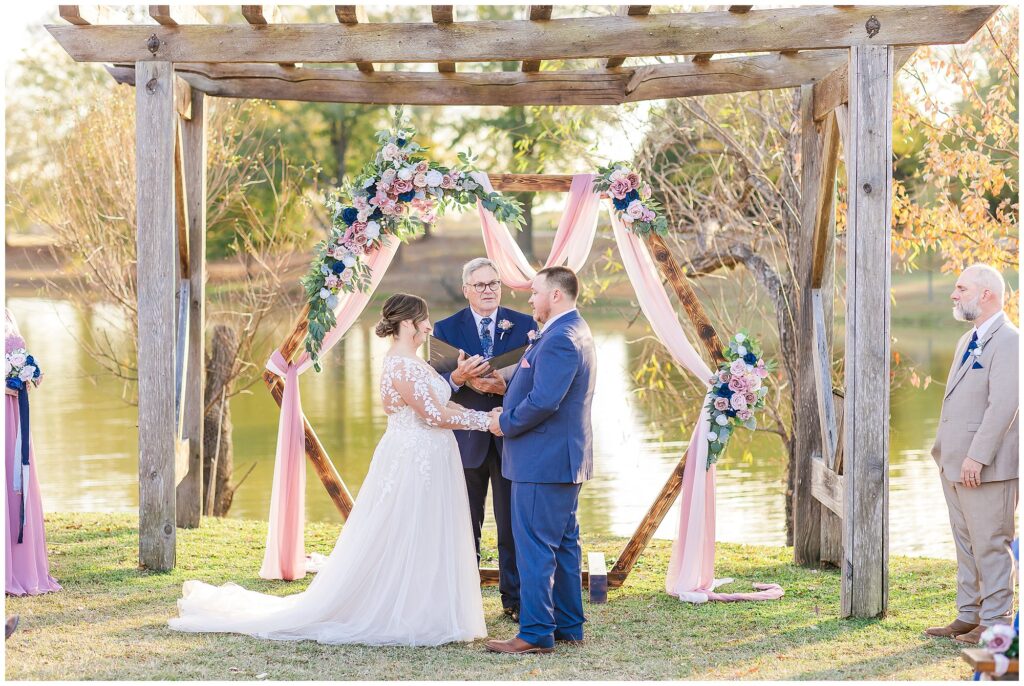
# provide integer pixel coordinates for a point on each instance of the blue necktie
(970, 348)
(486, 342)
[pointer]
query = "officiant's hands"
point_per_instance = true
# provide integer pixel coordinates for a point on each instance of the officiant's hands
(469, 368)
(495, 426)
(492, 383)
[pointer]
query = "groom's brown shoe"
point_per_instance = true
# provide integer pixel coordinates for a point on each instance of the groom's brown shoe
(971, 637)
(950, 630)
(515, 646)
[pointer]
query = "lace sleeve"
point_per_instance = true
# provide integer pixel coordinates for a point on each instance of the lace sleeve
(412, 381)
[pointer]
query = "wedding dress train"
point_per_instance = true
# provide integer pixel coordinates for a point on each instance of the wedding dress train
(404, 569)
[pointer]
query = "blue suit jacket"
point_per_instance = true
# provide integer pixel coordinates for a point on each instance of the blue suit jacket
(459, 330)
(546, 417)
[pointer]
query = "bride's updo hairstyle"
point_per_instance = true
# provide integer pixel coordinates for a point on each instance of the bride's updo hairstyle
(398, 308)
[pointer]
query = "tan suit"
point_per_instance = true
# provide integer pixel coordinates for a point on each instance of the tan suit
(980, 420)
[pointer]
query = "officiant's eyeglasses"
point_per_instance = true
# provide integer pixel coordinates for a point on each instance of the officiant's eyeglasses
(481, 287)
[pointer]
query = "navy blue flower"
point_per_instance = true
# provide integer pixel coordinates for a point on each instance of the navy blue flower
(349, 215)
(750, 358)
(622, 204)
(724, 391)
(338, 267)
(36, 373)
(372, 190)
(376, 214)
(15, 384)
(407, 196)
(401, 142)
(632, 195)
(731, 413)
(30, 360)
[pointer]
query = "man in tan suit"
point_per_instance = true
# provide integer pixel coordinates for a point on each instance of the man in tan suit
(976, 449)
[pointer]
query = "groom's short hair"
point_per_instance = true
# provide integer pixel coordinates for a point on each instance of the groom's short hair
(562, 278)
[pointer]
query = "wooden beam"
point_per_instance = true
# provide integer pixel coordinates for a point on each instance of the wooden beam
(982, 660)
(537, 13)
(806, 510)
(176, 15)
(489, 577)
(190, 490)
(444, 15)
(535, 183)
(264, 15)
(826, 486)
(823, 381)
(832, 91)
(706, 56)
(627, 11)
(124, 74)
(654, 82)
(801, 28)
(866, 415)
(353, 14)
(156, 257)
(825, 206)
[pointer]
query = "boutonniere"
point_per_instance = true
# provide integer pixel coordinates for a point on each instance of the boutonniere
(533, 335)
(505, 326)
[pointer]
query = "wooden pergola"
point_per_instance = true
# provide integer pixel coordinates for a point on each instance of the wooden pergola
(842, 58)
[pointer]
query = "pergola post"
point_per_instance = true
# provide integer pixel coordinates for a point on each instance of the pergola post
(806, 509)
(869, 230)
(193, 137)
(157, 260)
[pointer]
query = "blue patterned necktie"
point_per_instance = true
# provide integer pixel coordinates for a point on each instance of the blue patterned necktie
(970, 348)
(486, 342)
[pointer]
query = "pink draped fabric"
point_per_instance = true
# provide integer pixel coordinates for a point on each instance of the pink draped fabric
(285, 556)
(573, 238)
(691, 571)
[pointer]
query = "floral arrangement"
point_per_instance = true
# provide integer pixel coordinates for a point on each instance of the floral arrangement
(22, 369)
(1001, 639)
(632, 199)
(394, 196)
(737, 391)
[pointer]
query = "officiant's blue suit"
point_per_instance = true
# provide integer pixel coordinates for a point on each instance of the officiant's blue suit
(548, 454)
(481, 451)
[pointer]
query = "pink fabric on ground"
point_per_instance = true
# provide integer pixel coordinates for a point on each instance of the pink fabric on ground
(285, 557)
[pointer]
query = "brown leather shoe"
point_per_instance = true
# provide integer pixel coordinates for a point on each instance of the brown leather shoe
(950, 630)
(971, 637)
(515, 646)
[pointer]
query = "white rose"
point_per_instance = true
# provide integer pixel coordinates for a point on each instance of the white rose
(741, 351)
(18, 358)
(369, 182)
(332, 301)
(434, 178)
(323, 268)
(324, 294)
(626, 219)
(740, 338)
(348, 259)
(712, 437)
(721, 420)
(405, 174)
(615, 175)
(470, 185)
(372, 232)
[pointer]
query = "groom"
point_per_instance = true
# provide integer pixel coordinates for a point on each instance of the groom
(484, 330)
(548, 455)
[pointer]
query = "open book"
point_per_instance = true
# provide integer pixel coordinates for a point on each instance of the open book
(445, 358)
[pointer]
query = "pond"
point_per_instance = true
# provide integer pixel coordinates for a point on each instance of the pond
(85, 434)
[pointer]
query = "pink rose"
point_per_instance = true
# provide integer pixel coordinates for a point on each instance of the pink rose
(725, 376)
(737, 384)
(381, 198)
(635, 209)
(401, 186)
(646, 191)
(634, 180)
(738, 402)
(332, 281)
(753, 381)
(751, 397)
(18, 359)
(721, 404)
(421, 167)
(761, 372)
(744, 415)
(620, 187)
(447, 181)
(428, 217)
(420, 180)
(346, 276)
(390, 152)
(997, 638)
(648, 215)
(360, 203)
(738, 367)
(388, 176)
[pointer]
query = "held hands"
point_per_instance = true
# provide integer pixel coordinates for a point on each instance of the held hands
(469, 368)
(495, 427)
(970, 473)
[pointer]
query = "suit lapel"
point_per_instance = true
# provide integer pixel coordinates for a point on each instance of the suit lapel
(961, 371)
(470, 337)
(500, 337)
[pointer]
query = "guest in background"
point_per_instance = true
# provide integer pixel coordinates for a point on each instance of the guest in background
(27, 566)
(976, 448)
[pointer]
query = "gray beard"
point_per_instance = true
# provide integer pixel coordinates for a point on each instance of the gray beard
(966, 312)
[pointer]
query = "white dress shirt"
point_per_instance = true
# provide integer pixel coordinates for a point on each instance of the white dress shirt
(987, 324)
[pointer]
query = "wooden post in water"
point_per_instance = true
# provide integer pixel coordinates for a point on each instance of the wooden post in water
(157, 261)
(865, 581)
(193, 138)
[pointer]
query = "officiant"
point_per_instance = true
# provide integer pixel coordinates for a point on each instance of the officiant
(482, 331)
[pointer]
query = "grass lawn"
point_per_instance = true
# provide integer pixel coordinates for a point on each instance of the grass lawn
(109, 622)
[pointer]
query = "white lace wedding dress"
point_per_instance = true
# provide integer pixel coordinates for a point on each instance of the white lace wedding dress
(404, 569)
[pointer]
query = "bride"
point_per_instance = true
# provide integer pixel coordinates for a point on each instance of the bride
(404, 569)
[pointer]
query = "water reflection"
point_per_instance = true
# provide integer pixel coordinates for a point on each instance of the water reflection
(86, 435)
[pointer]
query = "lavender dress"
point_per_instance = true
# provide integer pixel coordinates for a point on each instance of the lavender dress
(27, 567)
